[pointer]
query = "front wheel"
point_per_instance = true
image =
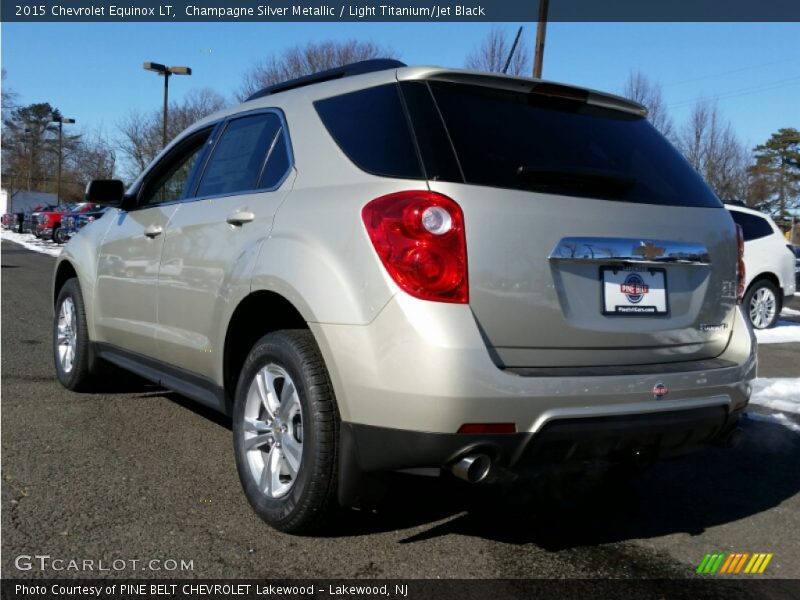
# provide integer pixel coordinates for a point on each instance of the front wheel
(59, 236)
(762, 304)
(71, 348)
(285, 432)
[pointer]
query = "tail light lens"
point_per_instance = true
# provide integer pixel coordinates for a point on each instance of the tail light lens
(419, 237)
(740, 271)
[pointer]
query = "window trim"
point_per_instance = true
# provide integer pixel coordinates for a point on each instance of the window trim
(148, 175)
(217, 136)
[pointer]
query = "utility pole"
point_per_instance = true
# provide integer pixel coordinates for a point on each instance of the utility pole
(29, 133)
(60, 120)
(541, 30)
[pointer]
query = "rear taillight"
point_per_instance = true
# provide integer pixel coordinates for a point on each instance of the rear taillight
(740, 271)
(419, 237)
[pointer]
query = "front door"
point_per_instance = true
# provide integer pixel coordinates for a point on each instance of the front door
(127, 273)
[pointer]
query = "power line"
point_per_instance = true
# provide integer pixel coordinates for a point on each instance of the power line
(730, 72)
(781, 83)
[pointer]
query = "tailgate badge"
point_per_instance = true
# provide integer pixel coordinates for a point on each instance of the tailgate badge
(660, 390)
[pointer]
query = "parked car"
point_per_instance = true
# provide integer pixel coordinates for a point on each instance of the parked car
(72, 222)
(796, 251)
(382, 268)
(769, 266)
(29, 218)
(47, 224)
(13, 221)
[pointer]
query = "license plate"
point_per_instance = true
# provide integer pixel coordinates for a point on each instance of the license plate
(634, 292)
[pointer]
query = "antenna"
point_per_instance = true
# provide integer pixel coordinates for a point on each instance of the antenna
(511, 53)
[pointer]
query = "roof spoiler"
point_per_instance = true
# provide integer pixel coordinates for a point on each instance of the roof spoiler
(525, 85)
(357, 68)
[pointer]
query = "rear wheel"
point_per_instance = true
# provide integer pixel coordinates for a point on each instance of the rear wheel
(762, 304)
(285, 430)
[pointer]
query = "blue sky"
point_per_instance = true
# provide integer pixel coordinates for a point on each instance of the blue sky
(93, 73)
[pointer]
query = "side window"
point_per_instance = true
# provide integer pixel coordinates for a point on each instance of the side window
(753, 227)
(238, 158)
(371, 128)
(171, 176)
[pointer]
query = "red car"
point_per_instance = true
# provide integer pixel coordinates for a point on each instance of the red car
(47, 223)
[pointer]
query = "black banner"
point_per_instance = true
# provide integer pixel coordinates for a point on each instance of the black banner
(413, 589)
(396, 10)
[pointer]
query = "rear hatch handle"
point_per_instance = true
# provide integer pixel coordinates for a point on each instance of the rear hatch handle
(626, 251)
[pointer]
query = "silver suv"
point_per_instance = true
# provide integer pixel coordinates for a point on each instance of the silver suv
(382, 268)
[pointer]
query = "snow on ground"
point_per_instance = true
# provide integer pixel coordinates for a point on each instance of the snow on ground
(779, 393)
(784, 332)
(777, 418)
(30, 242)
(790, 312)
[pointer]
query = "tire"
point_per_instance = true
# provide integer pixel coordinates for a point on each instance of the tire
(70, 338)
(59, 237)
(286, 446)
(762, 304)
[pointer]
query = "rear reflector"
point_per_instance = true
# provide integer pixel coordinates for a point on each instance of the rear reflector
(488, 428)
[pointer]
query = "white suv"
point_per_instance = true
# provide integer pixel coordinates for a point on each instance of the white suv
(769, 266)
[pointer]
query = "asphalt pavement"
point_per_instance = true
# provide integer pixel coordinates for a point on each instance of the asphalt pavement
(141, 474)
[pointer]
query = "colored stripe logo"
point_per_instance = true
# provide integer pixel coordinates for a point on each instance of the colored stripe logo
(734, 563)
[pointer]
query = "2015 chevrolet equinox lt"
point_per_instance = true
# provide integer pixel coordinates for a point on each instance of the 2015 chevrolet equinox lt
(381, 268)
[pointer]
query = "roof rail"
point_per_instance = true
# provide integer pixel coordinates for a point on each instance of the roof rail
(357, 68)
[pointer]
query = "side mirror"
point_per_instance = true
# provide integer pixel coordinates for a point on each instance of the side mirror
(105, 192)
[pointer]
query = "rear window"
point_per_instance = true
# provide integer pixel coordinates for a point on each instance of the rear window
(371, 128)
(531, 142)
(753, 226)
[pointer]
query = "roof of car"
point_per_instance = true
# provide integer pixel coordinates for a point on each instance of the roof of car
(745, 209)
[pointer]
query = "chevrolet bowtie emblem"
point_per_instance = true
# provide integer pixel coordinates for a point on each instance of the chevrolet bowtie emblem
(649, 250)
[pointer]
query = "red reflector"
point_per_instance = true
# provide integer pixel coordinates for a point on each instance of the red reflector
(488, 428)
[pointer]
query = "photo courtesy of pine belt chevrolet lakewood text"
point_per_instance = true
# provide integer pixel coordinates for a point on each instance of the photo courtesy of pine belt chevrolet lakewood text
(380, 268)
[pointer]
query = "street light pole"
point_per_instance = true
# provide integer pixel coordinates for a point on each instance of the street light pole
(61, 121)
(166, 72)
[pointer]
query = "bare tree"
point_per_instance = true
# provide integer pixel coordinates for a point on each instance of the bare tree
(491, 55)
(9, 97)
(710, 145)
(140, 140)
(309, 58)
(640, 89)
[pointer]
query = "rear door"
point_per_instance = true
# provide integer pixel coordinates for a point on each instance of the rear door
(590, 240)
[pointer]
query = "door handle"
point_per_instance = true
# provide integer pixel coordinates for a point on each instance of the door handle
(153, 231)
(240, 217)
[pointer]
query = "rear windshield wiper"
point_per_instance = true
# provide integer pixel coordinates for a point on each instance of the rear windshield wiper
(581, 182)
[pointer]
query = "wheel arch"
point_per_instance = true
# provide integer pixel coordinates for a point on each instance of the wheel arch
(257, 314)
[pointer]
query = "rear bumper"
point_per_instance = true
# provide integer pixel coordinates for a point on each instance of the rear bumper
(615, 439)
(424, 367)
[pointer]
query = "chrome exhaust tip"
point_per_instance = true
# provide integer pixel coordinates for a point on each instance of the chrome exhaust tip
(473, 468)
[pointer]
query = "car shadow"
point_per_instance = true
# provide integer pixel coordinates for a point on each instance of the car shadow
(684, 495)
(687, 494)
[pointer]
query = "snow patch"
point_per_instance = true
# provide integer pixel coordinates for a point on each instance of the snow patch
(779, 393)
(784, 332)
(777, 418)
(790, 312)
(26, 240)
